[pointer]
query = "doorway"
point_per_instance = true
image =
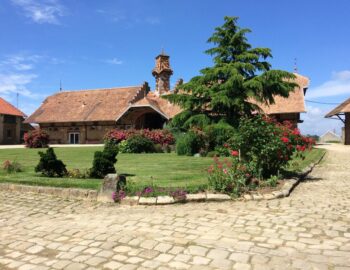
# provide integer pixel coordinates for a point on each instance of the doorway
(74, 138)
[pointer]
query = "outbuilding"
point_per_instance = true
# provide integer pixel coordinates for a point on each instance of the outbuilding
(342, 112)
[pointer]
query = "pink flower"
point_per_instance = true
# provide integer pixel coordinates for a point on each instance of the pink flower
(225, 171)
(234, 153)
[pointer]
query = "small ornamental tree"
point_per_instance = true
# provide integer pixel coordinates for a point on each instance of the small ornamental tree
(49, 165)
(224, 91)
(36, 139)
(104, 161)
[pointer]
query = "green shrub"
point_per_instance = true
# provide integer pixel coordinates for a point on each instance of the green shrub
(268, 144)
(140, 144)
(76, 173)
(213, 154)
(12, 167)
(104, 161)
(218, 134)
(188, 144)
(230, 176)
(49, 165)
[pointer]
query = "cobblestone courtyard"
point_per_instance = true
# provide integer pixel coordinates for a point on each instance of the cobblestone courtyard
(308, 230)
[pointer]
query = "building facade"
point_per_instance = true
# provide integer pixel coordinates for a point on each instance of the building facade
(11, 123)
(85, 116)
(342, 112)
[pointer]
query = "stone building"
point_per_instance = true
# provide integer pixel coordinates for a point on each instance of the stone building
(11, 123)
(85, 116)
(330, 136)
(342, 112)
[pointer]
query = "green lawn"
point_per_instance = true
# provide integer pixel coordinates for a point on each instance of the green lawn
(297, 164)
(163, 170)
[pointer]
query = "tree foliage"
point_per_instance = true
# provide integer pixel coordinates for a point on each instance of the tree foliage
(239, 75)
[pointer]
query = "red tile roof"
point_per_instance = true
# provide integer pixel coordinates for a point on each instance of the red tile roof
(85, 105)
(295, 103)
(7, 108)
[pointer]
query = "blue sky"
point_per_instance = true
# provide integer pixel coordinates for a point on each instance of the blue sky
(95, 44)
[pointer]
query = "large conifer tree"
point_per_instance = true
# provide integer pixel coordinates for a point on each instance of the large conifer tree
(224, 91)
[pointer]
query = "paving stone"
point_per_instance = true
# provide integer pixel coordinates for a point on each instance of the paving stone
(196, 250)
(113, 265)
(307, 230)
(164, 258)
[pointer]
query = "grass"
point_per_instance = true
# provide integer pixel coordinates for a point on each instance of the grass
(162, 170)
(296, 165)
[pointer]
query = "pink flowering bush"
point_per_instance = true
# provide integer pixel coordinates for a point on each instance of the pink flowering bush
(230, 175)
(36, 139)
(157, 136)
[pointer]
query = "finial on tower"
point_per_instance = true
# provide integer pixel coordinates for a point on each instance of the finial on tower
(295, 65)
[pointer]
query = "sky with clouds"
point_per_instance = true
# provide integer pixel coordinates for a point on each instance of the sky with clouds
(95, 44)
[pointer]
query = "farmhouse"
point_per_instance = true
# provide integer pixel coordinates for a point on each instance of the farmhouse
(342, 112)
(85, 116)
(11, 127)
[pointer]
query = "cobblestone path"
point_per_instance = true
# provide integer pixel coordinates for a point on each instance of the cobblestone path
(308, 230)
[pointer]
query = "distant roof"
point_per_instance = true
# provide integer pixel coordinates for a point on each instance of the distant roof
(9, 109)
(342, 108)
(85, 105)
(295, 102)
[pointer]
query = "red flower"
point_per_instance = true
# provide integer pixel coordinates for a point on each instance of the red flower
(296, 131)
(234, 153)
(285, 139)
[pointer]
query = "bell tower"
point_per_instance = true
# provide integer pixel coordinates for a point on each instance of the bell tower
(162, 73)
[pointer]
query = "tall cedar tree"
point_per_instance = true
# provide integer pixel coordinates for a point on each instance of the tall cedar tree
(223, 92)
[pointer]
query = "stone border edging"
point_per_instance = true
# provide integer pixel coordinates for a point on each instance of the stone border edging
(66, 193)
(288, 186)
(92, 195)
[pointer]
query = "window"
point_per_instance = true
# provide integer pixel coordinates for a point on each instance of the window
(9, 133)
(9, 119)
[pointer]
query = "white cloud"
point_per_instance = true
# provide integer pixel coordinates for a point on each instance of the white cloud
(315, 123)
(41, 11)
(20, 62)
(16, 83)
(339, 84)
(113, 61)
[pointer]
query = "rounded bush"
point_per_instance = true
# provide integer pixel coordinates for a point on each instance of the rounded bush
(140, 144)
(188, 144)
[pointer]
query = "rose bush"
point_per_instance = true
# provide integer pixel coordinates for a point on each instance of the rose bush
(265, 147)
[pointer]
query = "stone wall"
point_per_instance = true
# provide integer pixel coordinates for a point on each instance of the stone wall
(88, 132)
(14, 128)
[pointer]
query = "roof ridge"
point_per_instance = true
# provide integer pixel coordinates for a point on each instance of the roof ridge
(96, 89)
